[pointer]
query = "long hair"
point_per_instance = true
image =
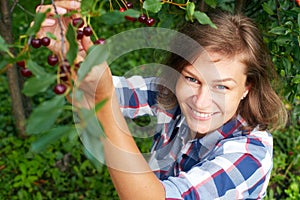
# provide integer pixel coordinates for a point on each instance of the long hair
(235, 35)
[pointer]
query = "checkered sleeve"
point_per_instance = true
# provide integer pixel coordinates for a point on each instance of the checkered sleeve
(136, 95)
(238, 168)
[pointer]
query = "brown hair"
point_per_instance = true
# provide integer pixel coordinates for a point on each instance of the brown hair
(236, 34)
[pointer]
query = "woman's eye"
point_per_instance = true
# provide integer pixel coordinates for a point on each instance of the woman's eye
(190, 79)
(222, 87)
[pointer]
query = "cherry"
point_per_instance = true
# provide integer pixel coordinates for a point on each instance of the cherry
(59, 88)
(142, 18)
(129, 4)
(52, 59)
(78, 22)
(99, 41)
(150, 21)
(26, 72)
(45, 41)
(132, 19)
(36, 43)
(80, 34)
(87, 31)
(21, 63)
(77, 65)
(63, 76)
(65, 68)
(122, 9)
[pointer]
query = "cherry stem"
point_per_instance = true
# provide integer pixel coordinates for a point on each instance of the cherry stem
(176, 4)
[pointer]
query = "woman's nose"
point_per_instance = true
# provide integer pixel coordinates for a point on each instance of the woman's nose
(203, 97)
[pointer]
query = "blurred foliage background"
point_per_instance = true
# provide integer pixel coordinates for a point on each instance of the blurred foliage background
(44, 165)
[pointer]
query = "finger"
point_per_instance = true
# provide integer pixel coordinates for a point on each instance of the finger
(50, 8)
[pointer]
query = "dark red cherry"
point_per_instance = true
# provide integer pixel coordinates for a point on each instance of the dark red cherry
(26, 72)
(80, 34)
(129, 4)
(45, 41)
(21, 63)
(78, 22)
(52, 59)
(132, 19)
(65, 68)
(36, 43)
(142, 18)
(150, 22)
(59, 88)
(99, 41)
(87, 31)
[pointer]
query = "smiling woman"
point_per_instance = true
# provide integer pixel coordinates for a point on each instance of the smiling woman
(211, 140)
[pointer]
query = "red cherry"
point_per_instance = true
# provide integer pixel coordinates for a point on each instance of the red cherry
(36, 43)
(78, 22)
(45, 41)
(21, 63)
(122, 9)
(100, 41)
(63, 76)
(298, 2)
(59, 88)
(77, 65)
(52, 59)
(87, 31)
(142, 18)
(65, 68)
(150, 22)
(26, 72)
(132, 19)
(129, 4)
(80, 34)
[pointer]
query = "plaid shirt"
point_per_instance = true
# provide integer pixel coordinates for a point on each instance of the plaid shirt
(225, 164)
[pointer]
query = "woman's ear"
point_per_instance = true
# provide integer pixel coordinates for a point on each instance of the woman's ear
(247, 88)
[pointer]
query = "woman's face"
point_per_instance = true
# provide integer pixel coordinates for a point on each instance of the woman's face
(210, 90)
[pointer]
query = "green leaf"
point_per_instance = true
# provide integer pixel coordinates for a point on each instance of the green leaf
(278, 30)
(190, 9)
(298, 20)
(112, 18)
(131, 13)
(3, 45)
(267, 8)
(96, 56)
(152, 5)
(91, 131)
(51, 136)
(35, 68)
(100, 105)
(211, 3)
(51, 36)
(38, 84)
(73, 50)
(296, 79)
(44, 116)
(38, 20)
(203, 19)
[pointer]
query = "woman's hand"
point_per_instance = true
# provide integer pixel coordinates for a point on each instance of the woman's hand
(96, 86)
(58, 26)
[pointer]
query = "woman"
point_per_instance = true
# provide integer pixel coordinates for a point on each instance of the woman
(213, 142)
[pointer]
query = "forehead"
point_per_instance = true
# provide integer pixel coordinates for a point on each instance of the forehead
(214, 66)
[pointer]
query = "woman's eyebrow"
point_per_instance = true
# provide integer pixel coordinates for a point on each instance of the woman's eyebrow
(225, 80)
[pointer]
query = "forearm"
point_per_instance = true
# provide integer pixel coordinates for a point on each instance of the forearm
(129, 170)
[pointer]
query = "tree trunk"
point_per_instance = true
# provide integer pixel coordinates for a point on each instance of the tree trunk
(18, 110)
(239, 6)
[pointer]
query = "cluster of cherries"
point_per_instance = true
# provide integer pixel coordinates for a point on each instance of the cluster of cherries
(149, 21)
(53, 60)
(64, 67)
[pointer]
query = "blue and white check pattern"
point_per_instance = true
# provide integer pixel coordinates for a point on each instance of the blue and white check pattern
(226, 164)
